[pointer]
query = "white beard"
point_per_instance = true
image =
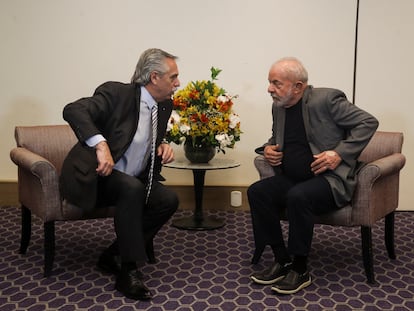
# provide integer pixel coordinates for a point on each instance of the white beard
(284, 102)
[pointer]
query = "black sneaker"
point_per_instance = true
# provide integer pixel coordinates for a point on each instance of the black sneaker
(271, 274)
(292, 283)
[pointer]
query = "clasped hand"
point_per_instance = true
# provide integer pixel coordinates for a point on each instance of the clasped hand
(166, 152)
(326, 160)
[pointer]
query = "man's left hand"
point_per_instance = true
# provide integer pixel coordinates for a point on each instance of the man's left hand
(327, 160)
(166, 152)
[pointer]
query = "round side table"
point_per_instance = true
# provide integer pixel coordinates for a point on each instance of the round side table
(198, 221)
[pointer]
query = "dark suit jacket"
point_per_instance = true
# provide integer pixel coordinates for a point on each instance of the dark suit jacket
(112, 111)
(331, 123)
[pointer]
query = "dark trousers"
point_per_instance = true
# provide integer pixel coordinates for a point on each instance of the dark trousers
(135, 222)
(270, 197)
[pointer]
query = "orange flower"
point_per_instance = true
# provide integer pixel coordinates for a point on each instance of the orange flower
(204, 118)
(203, 113)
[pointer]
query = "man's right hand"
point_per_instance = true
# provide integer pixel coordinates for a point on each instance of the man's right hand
(272, 155)
(105, 160)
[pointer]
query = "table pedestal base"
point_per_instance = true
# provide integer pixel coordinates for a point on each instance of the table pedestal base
(198, 221)
(190, 223)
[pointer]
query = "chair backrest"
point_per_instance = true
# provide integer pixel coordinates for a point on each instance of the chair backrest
(52, 142)
(381, 145)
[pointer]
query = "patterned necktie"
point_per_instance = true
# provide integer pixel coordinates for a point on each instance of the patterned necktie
(154, 119)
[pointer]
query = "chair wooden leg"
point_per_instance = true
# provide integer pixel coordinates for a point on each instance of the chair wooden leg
(26, 229)
(389, 234)
(49, 245)
(367, 254)
(257, 254)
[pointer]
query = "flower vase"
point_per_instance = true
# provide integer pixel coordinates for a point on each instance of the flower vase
(198, 153)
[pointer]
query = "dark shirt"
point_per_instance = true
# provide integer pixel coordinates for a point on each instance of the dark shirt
(297, 155)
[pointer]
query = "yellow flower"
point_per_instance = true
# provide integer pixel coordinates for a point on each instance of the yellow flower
(203, 113)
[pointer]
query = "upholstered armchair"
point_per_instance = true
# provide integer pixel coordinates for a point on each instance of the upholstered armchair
(39, 156)
(375, 198)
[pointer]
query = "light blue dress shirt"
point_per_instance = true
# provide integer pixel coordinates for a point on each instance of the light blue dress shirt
(134, 160)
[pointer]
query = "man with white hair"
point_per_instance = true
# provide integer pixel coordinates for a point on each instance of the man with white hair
(317, 136)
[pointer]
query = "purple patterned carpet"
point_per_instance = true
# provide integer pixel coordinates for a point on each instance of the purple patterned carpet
(202, 270)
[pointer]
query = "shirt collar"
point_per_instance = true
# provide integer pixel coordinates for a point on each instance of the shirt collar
(147, 98)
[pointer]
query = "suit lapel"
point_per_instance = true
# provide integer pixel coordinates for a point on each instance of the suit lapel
(280, 128)
(305, 113)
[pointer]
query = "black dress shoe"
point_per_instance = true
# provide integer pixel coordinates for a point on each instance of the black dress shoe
(131, 286)
(272, 274)
(109, 263)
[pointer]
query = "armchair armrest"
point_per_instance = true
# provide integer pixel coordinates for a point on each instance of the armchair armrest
(264, 169)
(38, 183)
(30, 161)
(390, 164)
(376, 193)
(380, 168)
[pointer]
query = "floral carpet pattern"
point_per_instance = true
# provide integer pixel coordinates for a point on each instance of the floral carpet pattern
(202, 270)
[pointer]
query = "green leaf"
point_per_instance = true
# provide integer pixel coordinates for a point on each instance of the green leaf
(214, 73)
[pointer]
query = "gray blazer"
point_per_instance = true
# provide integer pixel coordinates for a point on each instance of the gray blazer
(331, 123)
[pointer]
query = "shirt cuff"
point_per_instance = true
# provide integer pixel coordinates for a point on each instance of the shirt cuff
(94, 140)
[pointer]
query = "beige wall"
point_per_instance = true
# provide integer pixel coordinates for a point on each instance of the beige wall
(384, 74)
(54, 52)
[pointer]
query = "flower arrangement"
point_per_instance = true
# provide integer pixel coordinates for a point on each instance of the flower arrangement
(203, 115)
